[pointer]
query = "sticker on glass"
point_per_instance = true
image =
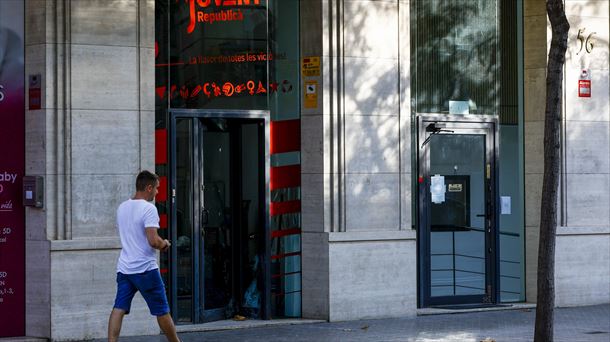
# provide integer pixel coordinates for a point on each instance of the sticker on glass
(455, 187)
(459, 107)
(505, 205)
(437, 189)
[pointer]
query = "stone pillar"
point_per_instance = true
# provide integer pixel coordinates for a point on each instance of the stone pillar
(535, 53)
(315, 196)
(583, 235)
(92, 136)
(583, 240)
(359, 253)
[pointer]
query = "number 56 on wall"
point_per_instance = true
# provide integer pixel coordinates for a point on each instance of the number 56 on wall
(586, 43)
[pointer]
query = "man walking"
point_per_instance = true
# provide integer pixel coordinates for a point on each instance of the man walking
(137, 269)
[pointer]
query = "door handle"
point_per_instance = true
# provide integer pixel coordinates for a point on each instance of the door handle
(204, 216)
(204, 221)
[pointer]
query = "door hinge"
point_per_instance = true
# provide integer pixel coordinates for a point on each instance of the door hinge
(488, 171)
(487, 296)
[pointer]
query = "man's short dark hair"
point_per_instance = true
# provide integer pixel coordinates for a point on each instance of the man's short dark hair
(144, 179)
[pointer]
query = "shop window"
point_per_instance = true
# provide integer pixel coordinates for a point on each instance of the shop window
(238, 56)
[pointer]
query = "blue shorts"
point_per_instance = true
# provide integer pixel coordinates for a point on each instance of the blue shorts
(150, 286)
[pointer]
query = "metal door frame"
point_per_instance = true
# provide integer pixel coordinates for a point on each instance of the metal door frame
(265, 200)
(477, 124)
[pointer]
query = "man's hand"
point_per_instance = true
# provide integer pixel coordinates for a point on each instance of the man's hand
(155, 241)
(167, 245)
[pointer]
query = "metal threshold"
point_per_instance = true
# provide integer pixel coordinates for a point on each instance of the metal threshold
(456, 309)
(229, 324)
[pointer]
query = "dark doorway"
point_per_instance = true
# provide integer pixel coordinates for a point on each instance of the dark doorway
(219, 221)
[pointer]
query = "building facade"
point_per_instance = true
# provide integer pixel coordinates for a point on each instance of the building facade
(337, 160)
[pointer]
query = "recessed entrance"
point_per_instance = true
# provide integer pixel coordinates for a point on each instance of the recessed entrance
(219, 221)
(457, 211)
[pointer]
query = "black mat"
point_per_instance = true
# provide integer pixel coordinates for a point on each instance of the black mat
(471, 306)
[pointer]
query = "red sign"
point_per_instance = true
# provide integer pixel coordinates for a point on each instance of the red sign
(584, 88)
(12, 168)
(198, 16)
(584, 84)
(35, 98)
(34, 93)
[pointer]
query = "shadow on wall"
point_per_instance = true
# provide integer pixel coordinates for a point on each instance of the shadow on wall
(455, 59)
(588, 18)
(587, 119)
(371, 104)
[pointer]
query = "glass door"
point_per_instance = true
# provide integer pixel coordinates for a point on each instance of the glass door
(218, 218)
(457, 212)
(183, 287)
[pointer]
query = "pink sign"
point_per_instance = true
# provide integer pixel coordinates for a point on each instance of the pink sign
(12, 168)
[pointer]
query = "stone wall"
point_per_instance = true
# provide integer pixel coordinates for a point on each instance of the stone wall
(583, 235)
(535, 39)
(356, 163)
(583, 241)
(91, 137)
(95, 132)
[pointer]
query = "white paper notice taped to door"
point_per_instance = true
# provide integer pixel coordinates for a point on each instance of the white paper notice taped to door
(437, 189)
(505, 205)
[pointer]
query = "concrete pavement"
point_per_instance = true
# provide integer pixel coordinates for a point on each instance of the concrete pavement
(577, 324)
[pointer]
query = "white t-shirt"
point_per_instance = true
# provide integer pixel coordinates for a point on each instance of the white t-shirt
(132, 218)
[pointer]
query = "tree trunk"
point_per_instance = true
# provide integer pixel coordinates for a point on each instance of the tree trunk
(548, 213)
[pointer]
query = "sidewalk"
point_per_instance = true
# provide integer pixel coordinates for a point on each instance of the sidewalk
(579, 324)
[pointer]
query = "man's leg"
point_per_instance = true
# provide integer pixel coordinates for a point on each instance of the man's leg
(114, 324)
(153, 290)
(122, 304)
(166, 323)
